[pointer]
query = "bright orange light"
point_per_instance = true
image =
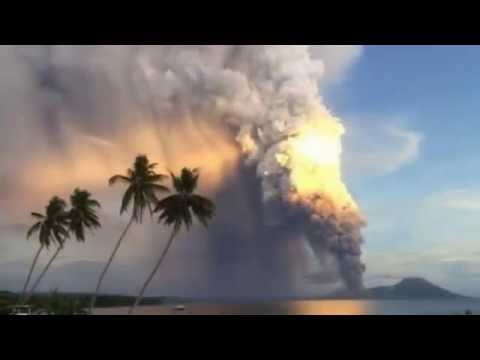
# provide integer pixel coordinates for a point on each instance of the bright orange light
(313, 156)
(316, 149)
(89, 162)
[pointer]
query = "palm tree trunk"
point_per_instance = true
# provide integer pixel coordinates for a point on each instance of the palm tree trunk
(32, 267)
(43, 273)
(94, 298)
(152, 274)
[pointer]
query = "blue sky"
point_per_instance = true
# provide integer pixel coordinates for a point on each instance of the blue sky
(424, 211)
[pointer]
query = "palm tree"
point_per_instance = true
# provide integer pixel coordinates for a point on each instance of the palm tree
(81, 215)
(51, 228)
(143, 187)
(177, 210)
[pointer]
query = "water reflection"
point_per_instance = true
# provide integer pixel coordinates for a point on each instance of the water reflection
(344, 307)
(334, 307)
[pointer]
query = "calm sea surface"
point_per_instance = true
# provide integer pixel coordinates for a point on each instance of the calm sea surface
(322, 307)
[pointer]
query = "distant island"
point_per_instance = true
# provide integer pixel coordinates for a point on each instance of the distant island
(409, 288)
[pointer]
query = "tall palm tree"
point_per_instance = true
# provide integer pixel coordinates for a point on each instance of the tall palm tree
(177, 210)
(143, 186)
(81, 216)
(51, 228)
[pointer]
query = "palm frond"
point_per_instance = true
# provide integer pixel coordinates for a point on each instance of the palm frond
(44, 236)
(55, 207)
(62, 231)
(139, 205)
(151, 197)
(189, 180)
(187, 217)
(118, 178)
(91, 220)
(79, 232)
(93, 203)
(165, 203)
(180, 209)
(57, 236)
(34, 229)
(150, 209)
(52, 226)
(143, 189)
(202, 208)
(38, 216)
(81, 215)
(177, 183)
(127, 197)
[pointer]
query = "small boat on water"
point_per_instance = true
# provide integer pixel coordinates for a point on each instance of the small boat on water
(179, 308)
(20, 310)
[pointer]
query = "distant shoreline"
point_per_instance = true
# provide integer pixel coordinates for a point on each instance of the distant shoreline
(409, 289)
(322, 307)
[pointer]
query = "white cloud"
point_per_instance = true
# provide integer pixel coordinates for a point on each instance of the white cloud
(458, 199)
(337, 59)
(377, 150)
(408, 151)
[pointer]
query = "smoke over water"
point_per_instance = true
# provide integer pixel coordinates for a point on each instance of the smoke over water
(94, 108)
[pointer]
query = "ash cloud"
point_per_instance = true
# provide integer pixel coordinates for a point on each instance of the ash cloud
(237, 99)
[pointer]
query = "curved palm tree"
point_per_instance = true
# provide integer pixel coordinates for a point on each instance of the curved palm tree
(81, 216)
(143, 187)
(52, 228)
(177, 210)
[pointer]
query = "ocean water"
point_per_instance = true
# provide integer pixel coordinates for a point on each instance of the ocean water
(315, 307)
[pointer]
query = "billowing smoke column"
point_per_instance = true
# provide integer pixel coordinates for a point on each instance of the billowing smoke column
(269, 96)
(266, 96)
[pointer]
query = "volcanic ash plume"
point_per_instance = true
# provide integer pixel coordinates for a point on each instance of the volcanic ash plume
(296, 144)
(187, 104)
(303, 169)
